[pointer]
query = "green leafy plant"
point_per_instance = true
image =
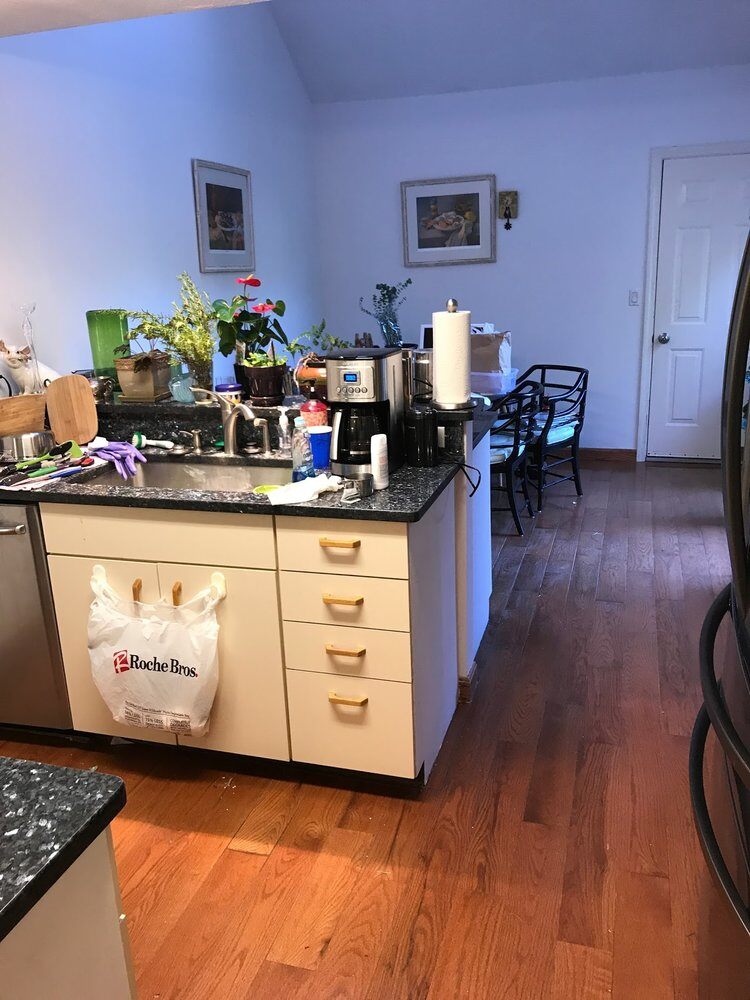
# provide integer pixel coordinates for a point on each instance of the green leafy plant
(186, 336)
(250, 329)
(385, 305)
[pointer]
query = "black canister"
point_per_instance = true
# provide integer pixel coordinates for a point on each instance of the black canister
(421, 431)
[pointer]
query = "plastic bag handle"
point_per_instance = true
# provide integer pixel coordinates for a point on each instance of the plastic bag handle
(218, 583)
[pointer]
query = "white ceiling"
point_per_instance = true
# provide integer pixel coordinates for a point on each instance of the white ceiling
(20, 17)
(358, 49)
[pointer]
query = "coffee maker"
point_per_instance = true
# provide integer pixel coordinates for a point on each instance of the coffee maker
(366, 397)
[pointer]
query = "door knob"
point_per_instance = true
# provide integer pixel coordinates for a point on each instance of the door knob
(663, 338)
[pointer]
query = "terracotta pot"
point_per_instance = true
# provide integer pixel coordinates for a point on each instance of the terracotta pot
(311, 376)
(264, 386)
(149, 382)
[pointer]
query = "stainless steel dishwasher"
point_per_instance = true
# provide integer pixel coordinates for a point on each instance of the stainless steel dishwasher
(32, 681)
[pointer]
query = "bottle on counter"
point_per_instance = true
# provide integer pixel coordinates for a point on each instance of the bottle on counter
(314, 411)
(379, 460)
(302, 458)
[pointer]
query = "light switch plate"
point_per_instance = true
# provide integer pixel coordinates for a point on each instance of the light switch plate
(633, 297)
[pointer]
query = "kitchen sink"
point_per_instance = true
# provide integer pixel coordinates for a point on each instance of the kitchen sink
(213, 477)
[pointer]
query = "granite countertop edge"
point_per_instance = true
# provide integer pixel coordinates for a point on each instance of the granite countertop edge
(51, 869)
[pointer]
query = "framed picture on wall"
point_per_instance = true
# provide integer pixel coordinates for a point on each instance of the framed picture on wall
(449, 221)
(224, 217)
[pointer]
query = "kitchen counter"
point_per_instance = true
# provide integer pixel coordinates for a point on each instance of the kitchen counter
(409, 496)
(48, 817)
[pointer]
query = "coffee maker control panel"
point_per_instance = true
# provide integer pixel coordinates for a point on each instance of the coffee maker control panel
(354, 384)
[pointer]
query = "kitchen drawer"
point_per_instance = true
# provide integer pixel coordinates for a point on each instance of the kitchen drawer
(363, 601)
(330, 545)
(376, 736)
(328, 649)
(243, 540)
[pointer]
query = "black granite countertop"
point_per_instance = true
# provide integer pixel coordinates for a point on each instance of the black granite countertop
(48, 817)
(411, 492)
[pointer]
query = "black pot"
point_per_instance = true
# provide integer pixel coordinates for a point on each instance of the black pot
(263, 386)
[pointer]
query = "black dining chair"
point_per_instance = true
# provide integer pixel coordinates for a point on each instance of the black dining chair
(558, 426)
(510, 437)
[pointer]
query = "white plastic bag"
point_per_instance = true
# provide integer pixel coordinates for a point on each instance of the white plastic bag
(155, 665)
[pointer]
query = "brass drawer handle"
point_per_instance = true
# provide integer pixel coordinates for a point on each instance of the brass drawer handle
(338, 699)
(340, 651)
(349, 602)
(339, 543)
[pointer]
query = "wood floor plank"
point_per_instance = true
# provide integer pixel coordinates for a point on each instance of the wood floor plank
(642, 914)
(550, 796)
(587, 906)
(267, 819)
(581, 973)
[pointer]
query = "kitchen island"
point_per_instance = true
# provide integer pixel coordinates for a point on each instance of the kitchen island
(61, 933)
(341, 634)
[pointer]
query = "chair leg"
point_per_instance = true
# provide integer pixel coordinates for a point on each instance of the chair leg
(525, 488)
(576, 470)
(510, 490)
(539, 480)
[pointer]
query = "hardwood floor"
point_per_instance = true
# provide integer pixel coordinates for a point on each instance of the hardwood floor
(552, 854)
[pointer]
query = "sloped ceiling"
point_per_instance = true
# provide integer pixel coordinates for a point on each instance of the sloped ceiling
(358, 49)
(20, 17)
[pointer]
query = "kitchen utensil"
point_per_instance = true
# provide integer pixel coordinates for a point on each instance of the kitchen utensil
(68, 449)
(46, 470)
(141, 441)
(22, 414)
(102, 386)
(421, 433)
(71, 409)
(18, 447)
(358, 489)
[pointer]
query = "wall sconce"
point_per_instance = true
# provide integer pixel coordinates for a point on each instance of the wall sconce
(507, 207)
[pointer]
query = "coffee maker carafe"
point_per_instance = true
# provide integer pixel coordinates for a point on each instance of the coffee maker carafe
(366, 397)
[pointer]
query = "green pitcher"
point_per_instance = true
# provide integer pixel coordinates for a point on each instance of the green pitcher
(108, 328)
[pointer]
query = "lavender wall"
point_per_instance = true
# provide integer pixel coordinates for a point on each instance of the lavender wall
(98, 127)
(579, 155)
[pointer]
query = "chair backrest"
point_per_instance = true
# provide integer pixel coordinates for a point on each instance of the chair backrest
(564, 390)
(517, 411)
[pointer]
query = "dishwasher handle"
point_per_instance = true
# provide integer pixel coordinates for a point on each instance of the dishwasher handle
(18, 529)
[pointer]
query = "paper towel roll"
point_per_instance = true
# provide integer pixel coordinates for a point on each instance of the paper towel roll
(451, 356)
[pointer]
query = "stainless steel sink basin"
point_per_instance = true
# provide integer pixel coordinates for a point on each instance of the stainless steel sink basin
(213, 477)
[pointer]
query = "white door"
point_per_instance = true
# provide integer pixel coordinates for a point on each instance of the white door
(705, 208)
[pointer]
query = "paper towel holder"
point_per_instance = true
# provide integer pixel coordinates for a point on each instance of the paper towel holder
(452, 305)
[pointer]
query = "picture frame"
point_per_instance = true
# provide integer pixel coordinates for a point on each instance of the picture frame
(223, 217)
(450, 220)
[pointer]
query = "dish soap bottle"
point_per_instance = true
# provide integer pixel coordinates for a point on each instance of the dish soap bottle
(302, 459)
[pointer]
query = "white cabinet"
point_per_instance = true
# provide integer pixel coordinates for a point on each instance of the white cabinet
(249, 714)
(71, 590)
(371, 661)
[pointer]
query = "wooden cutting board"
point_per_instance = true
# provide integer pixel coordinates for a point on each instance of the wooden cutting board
(71, 409)
(21, 414)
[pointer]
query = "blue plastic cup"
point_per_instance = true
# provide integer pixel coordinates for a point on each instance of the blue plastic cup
(320, 443)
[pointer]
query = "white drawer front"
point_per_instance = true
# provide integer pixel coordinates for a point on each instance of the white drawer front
(181, 536)
(348, 652)
(330, 545)
(362, 601)
(376, 736)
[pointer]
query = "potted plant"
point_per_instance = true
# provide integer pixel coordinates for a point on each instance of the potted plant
(313, 345)
(252, 330)
(144, 375)
(189, 335)
(385, 306)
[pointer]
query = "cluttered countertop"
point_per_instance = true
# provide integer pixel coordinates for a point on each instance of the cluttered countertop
(48, 817)
(410, 493)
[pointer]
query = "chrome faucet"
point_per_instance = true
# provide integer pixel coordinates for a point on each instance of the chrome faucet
(230, 414)
(266, 432)
(237, 410)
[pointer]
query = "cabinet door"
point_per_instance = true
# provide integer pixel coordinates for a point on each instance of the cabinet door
(249, 713)
(71, 589)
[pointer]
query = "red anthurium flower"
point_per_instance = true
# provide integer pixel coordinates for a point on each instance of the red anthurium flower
(263, 308)
(249, 280)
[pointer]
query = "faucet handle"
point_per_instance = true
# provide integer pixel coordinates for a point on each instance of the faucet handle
(223, 402)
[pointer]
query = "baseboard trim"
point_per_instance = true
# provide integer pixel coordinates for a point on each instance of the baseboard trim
(608, 454)
(467, 686)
